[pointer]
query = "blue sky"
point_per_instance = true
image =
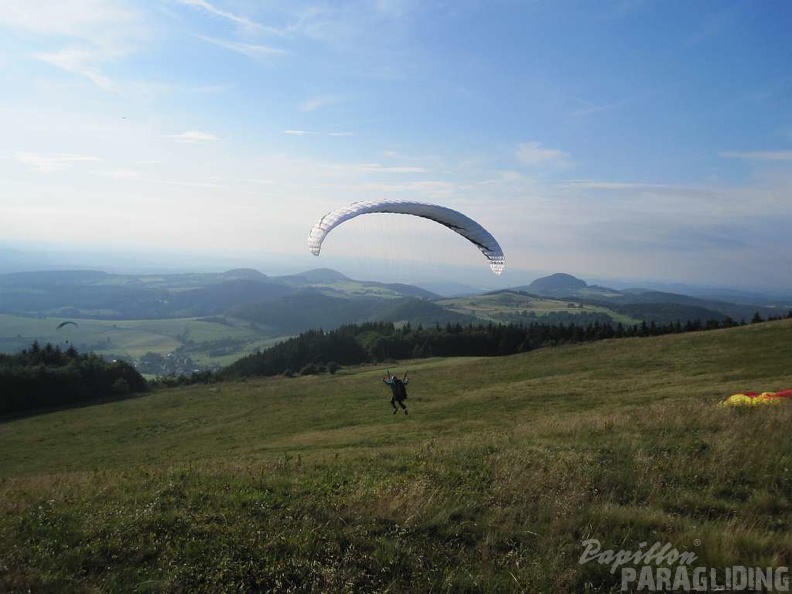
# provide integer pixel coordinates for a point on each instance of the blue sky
(623, 139)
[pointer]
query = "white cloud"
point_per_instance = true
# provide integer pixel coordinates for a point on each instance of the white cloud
(421, 190)
(190, 184)
(132, 175)
(318, 102)
(77, 61)
(127, 174)
(396, 8)
(385, 73)
(96, 32)
(759, 155)
(50, 163)
(266, 182)
(192, 136)
(251, 50)
(348, 24)
(212, 9)
(80, 19)
(377, 168)
(588, 108)
(593, 184)
(533, 155)
(309, 133)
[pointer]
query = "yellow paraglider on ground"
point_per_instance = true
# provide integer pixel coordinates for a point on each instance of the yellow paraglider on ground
(757, 398)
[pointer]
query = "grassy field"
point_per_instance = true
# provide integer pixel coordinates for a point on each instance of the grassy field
(498, 307)
(502, 468)
(221, 340)
(204, 337)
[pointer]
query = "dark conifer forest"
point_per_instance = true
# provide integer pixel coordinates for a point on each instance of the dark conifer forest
(318, 350)
(50, 377)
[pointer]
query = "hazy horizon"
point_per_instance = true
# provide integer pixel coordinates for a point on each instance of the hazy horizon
(64, 258)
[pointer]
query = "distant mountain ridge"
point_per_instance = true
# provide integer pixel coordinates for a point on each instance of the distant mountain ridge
(102, 295)
(209, 319)
(274, 306)
(645, 304)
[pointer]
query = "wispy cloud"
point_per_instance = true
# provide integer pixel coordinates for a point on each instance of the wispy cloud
(532, 154)
(310, 133)
(192, 136)
(251, 50)
(77, 61)
(78, 19)
(395, 8)
(97, 31)
(190, 184)
(229, 16)
(50, 163)
(132, 175)
(386, 73)
(266, 182)
(593, 184)
(379, 168)
(759, 155)
(716, 25)
(589, 108)
(347, 24)
(319, 102)
(127, 174)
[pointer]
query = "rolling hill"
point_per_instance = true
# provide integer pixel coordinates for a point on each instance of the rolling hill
(650, 305)
(207, 320)
(100, 295)
(502, 469)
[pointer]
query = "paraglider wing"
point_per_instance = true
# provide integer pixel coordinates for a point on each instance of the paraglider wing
(757, 398)
(456, 221)
(62, 324)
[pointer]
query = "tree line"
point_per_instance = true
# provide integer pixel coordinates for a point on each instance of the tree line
(352, 344)
(47, 376)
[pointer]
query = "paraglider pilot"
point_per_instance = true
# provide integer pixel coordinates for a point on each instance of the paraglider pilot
(398, 389)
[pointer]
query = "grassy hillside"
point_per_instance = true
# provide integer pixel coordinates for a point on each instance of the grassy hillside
(502, 468)
(516, 306)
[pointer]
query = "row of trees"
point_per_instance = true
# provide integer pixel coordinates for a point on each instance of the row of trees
(379, 341)
(48, 377)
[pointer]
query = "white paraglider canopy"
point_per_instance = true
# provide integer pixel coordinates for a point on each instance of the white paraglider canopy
(454, 220)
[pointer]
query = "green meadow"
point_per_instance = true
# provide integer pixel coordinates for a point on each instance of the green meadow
(217, 339)
(497, 307)
(501, 470)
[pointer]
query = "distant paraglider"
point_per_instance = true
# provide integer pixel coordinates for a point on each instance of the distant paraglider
(456, 221)
(62, 324)
(757, 398)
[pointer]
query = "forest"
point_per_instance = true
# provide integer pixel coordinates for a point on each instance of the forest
(318, 351)
(49, 376)
(43, 377)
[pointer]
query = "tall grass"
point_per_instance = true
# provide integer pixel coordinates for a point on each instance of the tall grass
(501, 470)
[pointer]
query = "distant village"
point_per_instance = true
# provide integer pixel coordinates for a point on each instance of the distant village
(171, 364)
